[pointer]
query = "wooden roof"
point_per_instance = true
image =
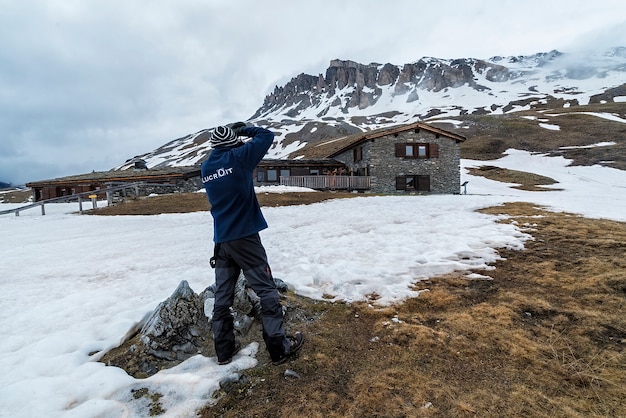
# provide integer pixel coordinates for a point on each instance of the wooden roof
(333, 147)
(321, 162)
(122, 176)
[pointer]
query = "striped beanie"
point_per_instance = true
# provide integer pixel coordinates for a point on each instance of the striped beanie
(223, 136)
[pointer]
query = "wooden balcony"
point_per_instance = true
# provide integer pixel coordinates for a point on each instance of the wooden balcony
(327, 182)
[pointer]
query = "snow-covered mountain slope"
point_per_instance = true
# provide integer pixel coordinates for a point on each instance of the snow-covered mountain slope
(353, 97)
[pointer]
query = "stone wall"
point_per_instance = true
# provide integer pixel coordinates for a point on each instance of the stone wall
(190, 185)
(380, 162)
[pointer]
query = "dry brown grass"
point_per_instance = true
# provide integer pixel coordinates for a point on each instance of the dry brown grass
(524, 180)
(489, 136)
(193, 202)
(15, 196)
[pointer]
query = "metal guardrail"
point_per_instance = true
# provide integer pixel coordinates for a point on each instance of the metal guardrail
(80, 197)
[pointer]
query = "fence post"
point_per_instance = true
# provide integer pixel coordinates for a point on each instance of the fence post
(464, 186)
(43, 210)
(94, 200)
(80, 204)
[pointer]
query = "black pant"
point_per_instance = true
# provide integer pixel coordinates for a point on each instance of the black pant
(246, 254)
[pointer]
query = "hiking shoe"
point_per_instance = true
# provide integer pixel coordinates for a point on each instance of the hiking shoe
(235, 351)
(295, 343)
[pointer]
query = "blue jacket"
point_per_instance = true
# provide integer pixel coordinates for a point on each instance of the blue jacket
(227, 179)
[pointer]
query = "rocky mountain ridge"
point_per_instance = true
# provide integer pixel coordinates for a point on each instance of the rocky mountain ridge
(431, 74)
(352, 97)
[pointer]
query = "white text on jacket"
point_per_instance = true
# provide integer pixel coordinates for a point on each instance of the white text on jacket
(219, 173)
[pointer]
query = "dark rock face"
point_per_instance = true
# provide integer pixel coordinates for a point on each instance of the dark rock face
(366, 81)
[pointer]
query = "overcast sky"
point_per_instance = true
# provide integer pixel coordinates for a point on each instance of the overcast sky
(87, 84)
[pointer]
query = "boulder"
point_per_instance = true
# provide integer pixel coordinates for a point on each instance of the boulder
(177, 327)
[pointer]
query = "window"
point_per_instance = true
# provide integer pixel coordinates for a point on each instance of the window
(358, 154)
(414, 183)
(272, 175)
(260, 176)
(285, 172)
(314, 172)
(417, 150)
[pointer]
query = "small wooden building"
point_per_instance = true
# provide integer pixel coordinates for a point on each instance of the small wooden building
(162, 180)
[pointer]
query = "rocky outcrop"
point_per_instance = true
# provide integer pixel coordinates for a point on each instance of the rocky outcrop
(177, 326)
(609, 95)
(180, 327)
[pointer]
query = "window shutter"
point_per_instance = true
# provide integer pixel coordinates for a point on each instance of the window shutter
(400, 183)
(400, 150)
(423, 183)
(358, 154)
(433, 151)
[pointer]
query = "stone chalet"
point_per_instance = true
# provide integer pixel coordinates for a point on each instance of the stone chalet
(412, 158)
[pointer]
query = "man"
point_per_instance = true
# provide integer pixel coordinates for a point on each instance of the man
(237, 220)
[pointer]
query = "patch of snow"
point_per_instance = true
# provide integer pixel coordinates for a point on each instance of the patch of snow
(599, 144)
(550, 127)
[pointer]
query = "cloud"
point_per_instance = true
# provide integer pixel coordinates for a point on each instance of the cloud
(86, 84)
(600, 39)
